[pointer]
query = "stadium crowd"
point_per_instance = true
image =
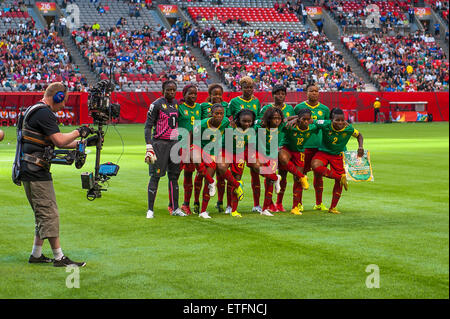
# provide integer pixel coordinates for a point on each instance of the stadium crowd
(30, 59)
(402, 63)
(278, 57)
(140, 52)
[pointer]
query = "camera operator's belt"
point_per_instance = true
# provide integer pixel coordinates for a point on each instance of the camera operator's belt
(30, 136)
(29, 158)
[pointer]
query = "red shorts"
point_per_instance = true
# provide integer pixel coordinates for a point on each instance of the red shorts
(206, 159)
(336, 161)
(188, 167)
(309, 154)
(297, 158)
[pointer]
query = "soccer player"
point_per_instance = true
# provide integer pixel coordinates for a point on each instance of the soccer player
(335, 135)
(318, 112)
(292, 156)
(248, 101)
(188, 112)
(211, 131)
(160, 129)
(272, 122)
(279, 96)
(215, 95)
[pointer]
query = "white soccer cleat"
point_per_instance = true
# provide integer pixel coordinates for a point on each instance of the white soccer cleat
(266, 213)
(228, 210)
(212, 189)
(257, 209)
(149, 214)
(178, 212)
(204, 215)
(277, 185)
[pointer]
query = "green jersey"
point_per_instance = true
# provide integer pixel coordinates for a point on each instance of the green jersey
(287, 110)
(213, 135)
(318, 112)
(270, 133)
(206, 109)
(238, 103)
(188, 114)
(241, 139)
(295, 138)
(334, 142)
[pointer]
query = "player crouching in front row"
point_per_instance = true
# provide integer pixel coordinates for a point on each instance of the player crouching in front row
(335, 136)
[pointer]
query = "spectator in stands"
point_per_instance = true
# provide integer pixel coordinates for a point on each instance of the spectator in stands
(320, 25)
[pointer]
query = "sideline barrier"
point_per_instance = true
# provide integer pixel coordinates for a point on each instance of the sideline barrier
(134, 105)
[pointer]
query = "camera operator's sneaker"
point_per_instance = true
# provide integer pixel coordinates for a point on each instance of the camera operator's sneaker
(212, 188)
(65, 261)
(40, 260)
(204, 215)
(149, 214)
(178, 212)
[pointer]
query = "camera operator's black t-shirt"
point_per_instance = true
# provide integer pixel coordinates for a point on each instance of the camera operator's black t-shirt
(45, 122)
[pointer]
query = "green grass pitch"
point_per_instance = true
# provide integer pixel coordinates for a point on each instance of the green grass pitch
(400, 223)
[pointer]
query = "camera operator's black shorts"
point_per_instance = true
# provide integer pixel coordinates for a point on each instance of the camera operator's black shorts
(163, 161)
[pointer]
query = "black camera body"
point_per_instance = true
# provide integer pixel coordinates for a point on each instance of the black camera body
(99, 105)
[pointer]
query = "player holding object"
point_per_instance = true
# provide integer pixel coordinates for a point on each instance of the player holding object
(248, 101)
(40, 130)
(318, 112)
(335, 136)
(160, 135)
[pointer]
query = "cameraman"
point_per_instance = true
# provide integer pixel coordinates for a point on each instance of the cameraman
(40, 132)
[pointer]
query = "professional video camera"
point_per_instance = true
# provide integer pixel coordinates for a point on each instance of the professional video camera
(102, 111)
(99, 104)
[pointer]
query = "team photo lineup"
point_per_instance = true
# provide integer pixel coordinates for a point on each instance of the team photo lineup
(309, 137)
(224, 149)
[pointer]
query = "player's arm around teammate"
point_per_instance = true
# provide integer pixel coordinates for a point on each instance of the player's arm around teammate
(336, 134)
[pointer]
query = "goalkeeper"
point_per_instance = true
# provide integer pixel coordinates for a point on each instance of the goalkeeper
(161, 133)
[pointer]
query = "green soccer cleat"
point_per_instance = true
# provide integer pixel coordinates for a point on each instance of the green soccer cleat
(321, 207)
(334, 211)
(235, 214)
(297, 210)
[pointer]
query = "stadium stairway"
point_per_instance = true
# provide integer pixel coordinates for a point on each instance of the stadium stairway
(78, 59)
(37, 20)
(333, 32)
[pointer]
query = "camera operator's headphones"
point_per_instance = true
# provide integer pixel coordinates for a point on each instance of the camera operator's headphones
(60, 95)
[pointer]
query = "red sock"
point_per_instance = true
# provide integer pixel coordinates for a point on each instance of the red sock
(337, 190)
(256, 187)
(291, 168)
(322, 170)
(229, 193)
(268, 184)
(318, 188)
(187, 184)
(205, 200)
(198, 181)
(297, 193)
(220, 188)
(283, 184)
(202, 169)
(230, 178)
